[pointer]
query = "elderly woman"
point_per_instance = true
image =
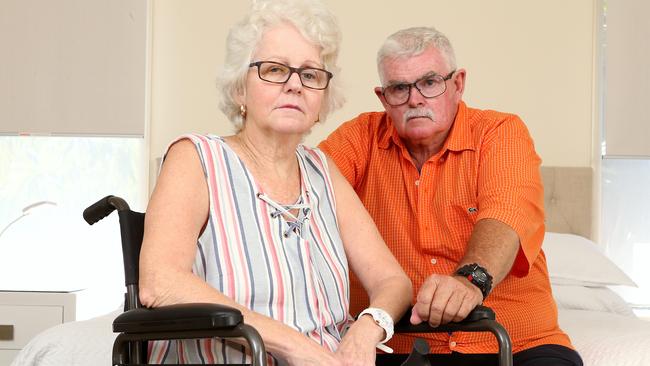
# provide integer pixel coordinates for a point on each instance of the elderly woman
(261, 223)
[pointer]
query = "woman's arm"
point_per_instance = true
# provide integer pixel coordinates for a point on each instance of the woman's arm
(177, 212)
(388, 287)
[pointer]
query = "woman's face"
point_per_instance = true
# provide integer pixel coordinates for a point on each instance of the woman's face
(288, 108)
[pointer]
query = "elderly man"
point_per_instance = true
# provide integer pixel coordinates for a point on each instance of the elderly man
(457, 195)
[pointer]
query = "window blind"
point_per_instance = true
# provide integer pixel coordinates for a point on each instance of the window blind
(73, 67)
(627, 79)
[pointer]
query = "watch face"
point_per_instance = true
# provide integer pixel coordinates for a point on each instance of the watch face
(381, 318)
(480, 276)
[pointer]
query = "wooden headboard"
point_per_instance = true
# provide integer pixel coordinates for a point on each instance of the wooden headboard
(568, 199)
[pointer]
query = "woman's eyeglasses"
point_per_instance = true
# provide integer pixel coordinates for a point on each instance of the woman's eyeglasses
(275, 72)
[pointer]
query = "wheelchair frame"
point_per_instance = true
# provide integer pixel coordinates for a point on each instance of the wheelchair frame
(137, 325)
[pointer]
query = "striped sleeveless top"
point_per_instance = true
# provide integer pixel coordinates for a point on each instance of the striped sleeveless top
(294, 273)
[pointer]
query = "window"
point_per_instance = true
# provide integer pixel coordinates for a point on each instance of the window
(45, 184)
(625, 166)
(626, 223)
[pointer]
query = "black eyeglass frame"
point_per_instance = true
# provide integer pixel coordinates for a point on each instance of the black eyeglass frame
(414, 85)
(292, 70)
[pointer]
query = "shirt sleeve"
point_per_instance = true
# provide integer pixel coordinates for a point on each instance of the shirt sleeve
(510, 187)
(349, 147)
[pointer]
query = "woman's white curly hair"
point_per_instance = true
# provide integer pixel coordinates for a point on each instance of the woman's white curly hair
(310, 17)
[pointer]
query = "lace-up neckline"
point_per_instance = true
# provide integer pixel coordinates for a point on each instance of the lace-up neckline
(297, 224)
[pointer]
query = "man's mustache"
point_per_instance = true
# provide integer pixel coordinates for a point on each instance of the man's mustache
(419, 112)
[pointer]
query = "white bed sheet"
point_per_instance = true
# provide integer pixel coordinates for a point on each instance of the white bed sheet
(607, 339)
(82, 343)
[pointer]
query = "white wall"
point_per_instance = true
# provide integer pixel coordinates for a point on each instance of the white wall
(533, 58)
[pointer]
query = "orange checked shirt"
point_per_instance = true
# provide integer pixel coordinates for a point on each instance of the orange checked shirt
(487, 168)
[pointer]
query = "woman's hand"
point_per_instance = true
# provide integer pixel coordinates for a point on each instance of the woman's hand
(358, 346)
(310, 353)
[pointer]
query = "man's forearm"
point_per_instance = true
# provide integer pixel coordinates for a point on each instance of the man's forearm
(494, 246)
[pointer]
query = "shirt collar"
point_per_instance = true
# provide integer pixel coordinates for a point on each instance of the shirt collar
(388, 133)
(460, 136)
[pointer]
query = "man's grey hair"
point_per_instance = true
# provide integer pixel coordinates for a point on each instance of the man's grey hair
(412, 42)
(312, 19)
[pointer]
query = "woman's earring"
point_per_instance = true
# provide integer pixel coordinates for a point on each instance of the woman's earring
(242, 111)
(318, 118)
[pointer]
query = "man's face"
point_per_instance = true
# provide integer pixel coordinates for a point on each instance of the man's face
(421, 120)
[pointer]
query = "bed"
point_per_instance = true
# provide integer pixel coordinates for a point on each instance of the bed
(601, 325)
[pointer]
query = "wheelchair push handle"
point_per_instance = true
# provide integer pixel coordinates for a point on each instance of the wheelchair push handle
(103, 208)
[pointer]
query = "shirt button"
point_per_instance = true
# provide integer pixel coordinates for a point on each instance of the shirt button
(452, 344)
(433, 261)
(417, 182)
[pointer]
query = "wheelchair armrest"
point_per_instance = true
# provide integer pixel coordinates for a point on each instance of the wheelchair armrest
(178, 317)
(481, 319)
(468, 324)
(182, 321)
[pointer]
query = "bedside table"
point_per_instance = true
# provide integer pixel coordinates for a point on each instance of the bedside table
(23, 314)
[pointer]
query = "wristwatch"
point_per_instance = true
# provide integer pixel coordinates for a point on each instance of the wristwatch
(383, 319)
(478, 276)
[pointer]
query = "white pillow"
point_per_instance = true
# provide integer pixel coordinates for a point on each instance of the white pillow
(574, 260)
(590, 298)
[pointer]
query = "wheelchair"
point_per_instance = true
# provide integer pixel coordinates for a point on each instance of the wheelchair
(138, 325)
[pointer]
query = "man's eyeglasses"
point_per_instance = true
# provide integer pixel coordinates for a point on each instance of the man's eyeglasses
(275, 72)
(429, 86)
